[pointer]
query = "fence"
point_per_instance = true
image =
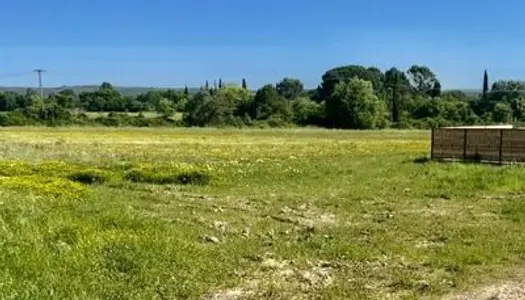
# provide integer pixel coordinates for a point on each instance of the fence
(496, 145)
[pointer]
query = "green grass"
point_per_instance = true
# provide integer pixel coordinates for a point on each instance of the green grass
(102, 213)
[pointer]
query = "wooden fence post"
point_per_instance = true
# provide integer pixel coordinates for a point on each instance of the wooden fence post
(465, 144)
(501, 146)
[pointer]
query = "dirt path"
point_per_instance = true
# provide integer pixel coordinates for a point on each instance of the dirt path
(512, 290)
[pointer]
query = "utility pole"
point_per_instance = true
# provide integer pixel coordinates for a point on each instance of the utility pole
(39, 72)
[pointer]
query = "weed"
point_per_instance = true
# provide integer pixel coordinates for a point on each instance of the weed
(170, 175)
(54, 187)
(15, 168)
(92, 176)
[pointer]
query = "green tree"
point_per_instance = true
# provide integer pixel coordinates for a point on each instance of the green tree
(267, 103)
(151, 99)
(205, 110)
(106, 98)
(354, 104)
(186, 92)
(307, 112)
(194, 114)
(165, 107)
(10, 101)
(345, 73)
(436, 90)
(455, 95)
(244, 84)
(422, 79)
(502, 113)
(36, 106)
(510, 92)
(106, 86)
(66, 98)
(397, 88)
(290, 88)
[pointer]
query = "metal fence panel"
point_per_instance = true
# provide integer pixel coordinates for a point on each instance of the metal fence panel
(482, 144)
(513, 145)
(479, 144)
(448, 143)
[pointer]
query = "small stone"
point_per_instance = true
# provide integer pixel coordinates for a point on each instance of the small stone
(218, 209)
(211, 239)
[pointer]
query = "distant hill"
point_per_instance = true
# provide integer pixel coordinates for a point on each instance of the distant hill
(126, 91)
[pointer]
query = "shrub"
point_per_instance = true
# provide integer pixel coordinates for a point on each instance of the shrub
(54, 187)
(89, 176)
(194, 177)
(14, 168)
(57, 168)
(173, 175)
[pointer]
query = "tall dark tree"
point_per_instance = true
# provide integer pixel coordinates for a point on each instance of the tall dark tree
(207, 86)
(485, 84)
(244, 85)
(397, 87)
(186, 92)
(436, 90)
(220, 84)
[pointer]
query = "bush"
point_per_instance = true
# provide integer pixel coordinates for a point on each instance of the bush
(193, 177)
(56, 168)
(177, 175)
(14, 168)
(90, 177)
(307, 112)
(53, 187)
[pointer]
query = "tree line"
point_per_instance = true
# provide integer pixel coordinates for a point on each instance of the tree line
(352, 97)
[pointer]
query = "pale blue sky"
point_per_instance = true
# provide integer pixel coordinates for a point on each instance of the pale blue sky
(172, 43)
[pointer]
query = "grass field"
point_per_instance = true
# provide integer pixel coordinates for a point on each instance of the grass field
(269, 214)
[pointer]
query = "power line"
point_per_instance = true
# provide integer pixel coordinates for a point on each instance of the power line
(11, 75)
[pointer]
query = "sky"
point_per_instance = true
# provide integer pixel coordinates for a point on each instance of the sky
(172, 43)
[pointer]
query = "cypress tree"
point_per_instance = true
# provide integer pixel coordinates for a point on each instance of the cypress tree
(220, 83)
(186, 92)
(244, 85)
(207, 86)
(485, 84)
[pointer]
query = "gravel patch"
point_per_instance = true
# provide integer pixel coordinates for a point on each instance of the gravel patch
(504, 291)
